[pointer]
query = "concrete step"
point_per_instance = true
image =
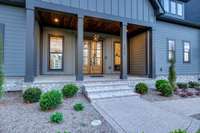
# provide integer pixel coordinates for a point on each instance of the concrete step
(102, 84)
(108, 88)
(105, 95)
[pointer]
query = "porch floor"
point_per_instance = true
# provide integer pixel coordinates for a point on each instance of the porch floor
(72, 78)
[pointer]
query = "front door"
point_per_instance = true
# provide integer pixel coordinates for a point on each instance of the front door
(92, 57)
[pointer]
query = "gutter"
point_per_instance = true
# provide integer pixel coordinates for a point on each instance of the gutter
(13, 3)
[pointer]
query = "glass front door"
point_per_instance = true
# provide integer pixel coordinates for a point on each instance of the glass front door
(92, 57)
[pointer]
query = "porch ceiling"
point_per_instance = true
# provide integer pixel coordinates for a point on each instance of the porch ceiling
(91, 24)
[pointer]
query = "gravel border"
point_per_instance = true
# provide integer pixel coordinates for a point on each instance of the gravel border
(18, 117)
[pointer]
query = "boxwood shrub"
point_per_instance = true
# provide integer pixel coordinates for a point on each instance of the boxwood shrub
(50, 100)
(159, 83)
(182, 85)
(32, 95)
(70, 90)
(141, 88)
(193, 84)
(166, 89)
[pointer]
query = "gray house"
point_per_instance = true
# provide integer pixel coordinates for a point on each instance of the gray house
(99, 37)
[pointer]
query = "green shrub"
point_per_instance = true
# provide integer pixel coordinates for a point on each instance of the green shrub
(56, 117)
(141, 88)
(32, 95)
(182, 85)
(50, 100)
(179, 131)
(159, 83)
(166, 90)
(69, 90)
(193, 84)
(78, 107)
(172, 72)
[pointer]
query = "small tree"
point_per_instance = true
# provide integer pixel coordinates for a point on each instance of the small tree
(172, 72)
(1, 66)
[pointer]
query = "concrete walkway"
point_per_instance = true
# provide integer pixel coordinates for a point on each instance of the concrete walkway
(186, 107)
(135, 115)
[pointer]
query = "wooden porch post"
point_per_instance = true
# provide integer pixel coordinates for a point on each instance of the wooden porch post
(123, 36)
(30, 46)
(79, 48)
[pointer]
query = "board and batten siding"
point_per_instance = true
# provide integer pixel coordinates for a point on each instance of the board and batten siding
(165, 31)
(138, 10)
(14, 39)
(137, 50)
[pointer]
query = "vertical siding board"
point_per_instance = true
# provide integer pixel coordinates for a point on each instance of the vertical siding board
(92, 5)
(138, 10)
(115, 7)
(108, 6)
(121, 8)
(146, 10)
(84, 4)
(100, 6)
(75, 3)
(128, 8)
(134, 9)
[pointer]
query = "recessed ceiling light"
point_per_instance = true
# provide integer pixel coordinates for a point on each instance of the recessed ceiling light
(56, 20)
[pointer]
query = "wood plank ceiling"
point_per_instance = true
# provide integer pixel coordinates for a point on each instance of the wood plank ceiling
(91, 24)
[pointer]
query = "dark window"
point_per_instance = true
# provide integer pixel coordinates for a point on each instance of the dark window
(56, 53)
(171, 49)
(187, 52)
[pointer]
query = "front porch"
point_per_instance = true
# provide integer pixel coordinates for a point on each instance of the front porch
(85, 48)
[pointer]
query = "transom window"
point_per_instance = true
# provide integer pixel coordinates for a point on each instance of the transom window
(171, 50)
(174, 7)
(56, 52)
(186, 52)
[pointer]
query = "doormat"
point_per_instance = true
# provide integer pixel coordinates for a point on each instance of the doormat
(96, 76)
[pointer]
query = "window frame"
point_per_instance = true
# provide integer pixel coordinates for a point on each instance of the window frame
(176, 7)
(114, 57)
(49, 52)
(178, 2)
(168, 60)
(189, 53)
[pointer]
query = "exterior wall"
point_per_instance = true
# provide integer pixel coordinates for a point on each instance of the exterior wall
(69, 51)
(137, 10)
(138, 56)
(165, 31)
(14, 40)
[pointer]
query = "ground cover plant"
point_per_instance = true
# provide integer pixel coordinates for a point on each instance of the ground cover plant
(78, 107)
(56, 117)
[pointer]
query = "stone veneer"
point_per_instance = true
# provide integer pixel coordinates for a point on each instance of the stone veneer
(17, 83)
